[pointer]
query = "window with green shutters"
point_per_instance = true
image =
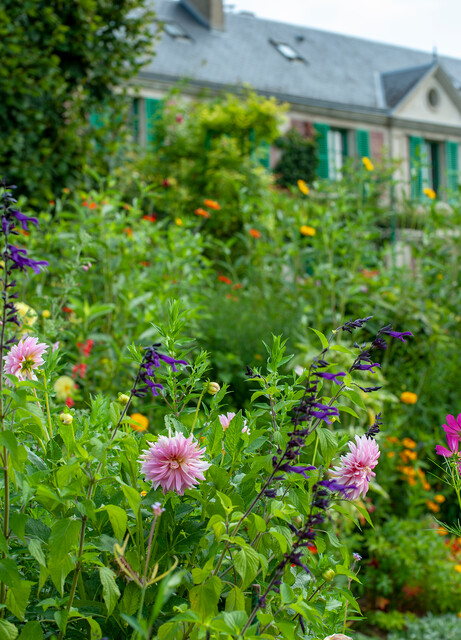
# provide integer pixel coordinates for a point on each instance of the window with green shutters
(424, 166)
(451, 157)
(154, 110)
(322, 153)
(362, 140)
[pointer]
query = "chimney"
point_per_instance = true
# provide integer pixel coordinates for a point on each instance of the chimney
(210, 13)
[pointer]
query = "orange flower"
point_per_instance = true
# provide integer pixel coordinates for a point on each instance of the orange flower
(151, 218)
(390, 454)
(128, 231)
(224, 279)
(426, 486)
(439, 498)
(139, 422)
(237, 285)
(302, 186)
(145, 263)
(408, 397)
(254, 233)
(370, 273)
(84, 203)
(127, 207)
(52, 203)
(93, 205)
(392, 439)
(442, 532)
(411, 455)
(408, 443)
(435, 508)
(66, 190)
(202, 212)
(307, 231)
(211, 204)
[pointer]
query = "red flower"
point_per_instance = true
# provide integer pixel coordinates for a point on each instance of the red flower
(254, 233)
(145, 263)
(70, 402)
(166, 182)
(84, 203)
(128, 231)
(212, 204)
(151, 218)
(52, 203)
(202, 212)
(237, 285)
(224, 279)
(85, 349)
(93, 205)
(67, 310)
(79, 369)
(179, 118)
(312, 548)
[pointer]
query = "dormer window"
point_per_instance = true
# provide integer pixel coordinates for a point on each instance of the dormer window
(174, 30)
(287, 51)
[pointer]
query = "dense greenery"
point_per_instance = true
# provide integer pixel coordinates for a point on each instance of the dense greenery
(298, 160)
(61, 61)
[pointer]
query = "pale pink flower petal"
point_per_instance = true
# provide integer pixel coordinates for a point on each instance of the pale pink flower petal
(24, 357)
(175, 463)
(355, 471)
(225, 420)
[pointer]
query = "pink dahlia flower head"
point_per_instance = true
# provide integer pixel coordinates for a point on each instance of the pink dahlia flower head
(355, 469)
(175, 463)
(23, 358)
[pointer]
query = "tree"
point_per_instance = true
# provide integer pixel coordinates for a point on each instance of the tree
(60, 61)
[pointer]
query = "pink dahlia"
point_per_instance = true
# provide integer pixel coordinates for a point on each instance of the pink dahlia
(355, 471)
(175, 463)
(24, 357)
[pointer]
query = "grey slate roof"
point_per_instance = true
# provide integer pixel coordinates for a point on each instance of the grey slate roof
(339, 70)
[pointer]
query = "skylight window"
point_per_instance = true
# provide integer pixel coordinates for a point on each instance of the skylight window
(287, 51)
(175, 30)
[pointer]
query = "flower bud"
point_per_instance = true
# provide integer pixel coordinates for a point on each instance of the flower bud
(213, 388)
(46, 313)
(123, 399)
(66, 418)
(328, 575)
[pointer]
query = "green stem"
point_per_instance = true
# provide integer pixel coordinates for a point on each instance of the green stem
(197, 410)
(47, 407)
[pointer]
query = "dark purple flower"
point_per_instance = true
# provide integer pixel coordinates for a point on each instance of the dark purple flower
(23, 219)
(369, 389)
(354, 324)
(330, 376)
(21, 261)
(152, 360)
(394, 334)
(296, 469)
(365, 367)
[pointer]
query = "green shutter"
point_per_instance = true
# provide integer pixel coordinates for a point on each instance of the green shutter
(416, 175)
(96, 120)
(154, 110)
(264, 155)
(451, 150)
(322, 151)
(134, 119)
(363, 143)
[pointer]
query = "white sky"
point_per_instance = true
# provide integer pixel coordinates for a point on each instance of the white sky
(417, 24)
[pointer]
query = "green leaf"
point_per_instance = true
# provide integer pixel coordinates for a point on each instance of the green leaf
(233, 435)
(59, 571)
(32, 631)
(354, 397)
(110, 590)
(9, 573)
(64, 535)
(246, 563)
(341, 349)
(129, 603)
(18, 524)
(95, 629)
(17, 452)
(118, 519)
(35, 550)
(328, 445)
(342, 407)
(321, 337)
(132, 497)
(286, 593)
(8, 631)
(204, 597)
(235, 601)
(17, 598)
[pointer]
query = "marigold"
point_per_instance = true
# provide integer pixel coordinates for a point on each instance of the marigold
(202, 212)
(254, 233)
(367, 163)
(408, 397)
(457, 568)
(302, 186)
(392, 439)
(139, 422)
(442, 532)
(408, 443)
(93, 205)
(178, 221)
(150, 218)
(211, 204)
(430, 193)
(433, 506)
(391, 454)
(307, 231)
(439, 498)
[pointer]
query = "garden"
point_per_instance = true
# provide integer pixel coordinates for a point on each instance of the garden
(228, 395)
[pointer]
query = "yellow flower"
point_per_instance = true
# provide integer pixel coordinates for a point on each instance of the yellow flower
(63, 386)
(143, 494)
(26, 313)
(408, 443)
(440, 276)
(179, 222)
(408, 397)
(439, 498)
(411, 455)
(457, 568)
(442, 532)
(426, 486)
(302, 186)
(46, 313)
(307, 231)
(390, 454)
(139, 422)
(367, 163)
(392, 439)
(430, 193)
(435, 507)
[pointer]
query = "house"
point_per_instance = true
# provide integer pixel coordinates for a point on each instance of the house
(363, 98)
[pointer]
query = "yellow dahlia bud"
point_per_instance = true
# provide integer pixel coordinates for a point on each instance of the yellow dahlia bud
(46, 313)
(66, 418)
(123, 399)
(329, 574)
(213, 388)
